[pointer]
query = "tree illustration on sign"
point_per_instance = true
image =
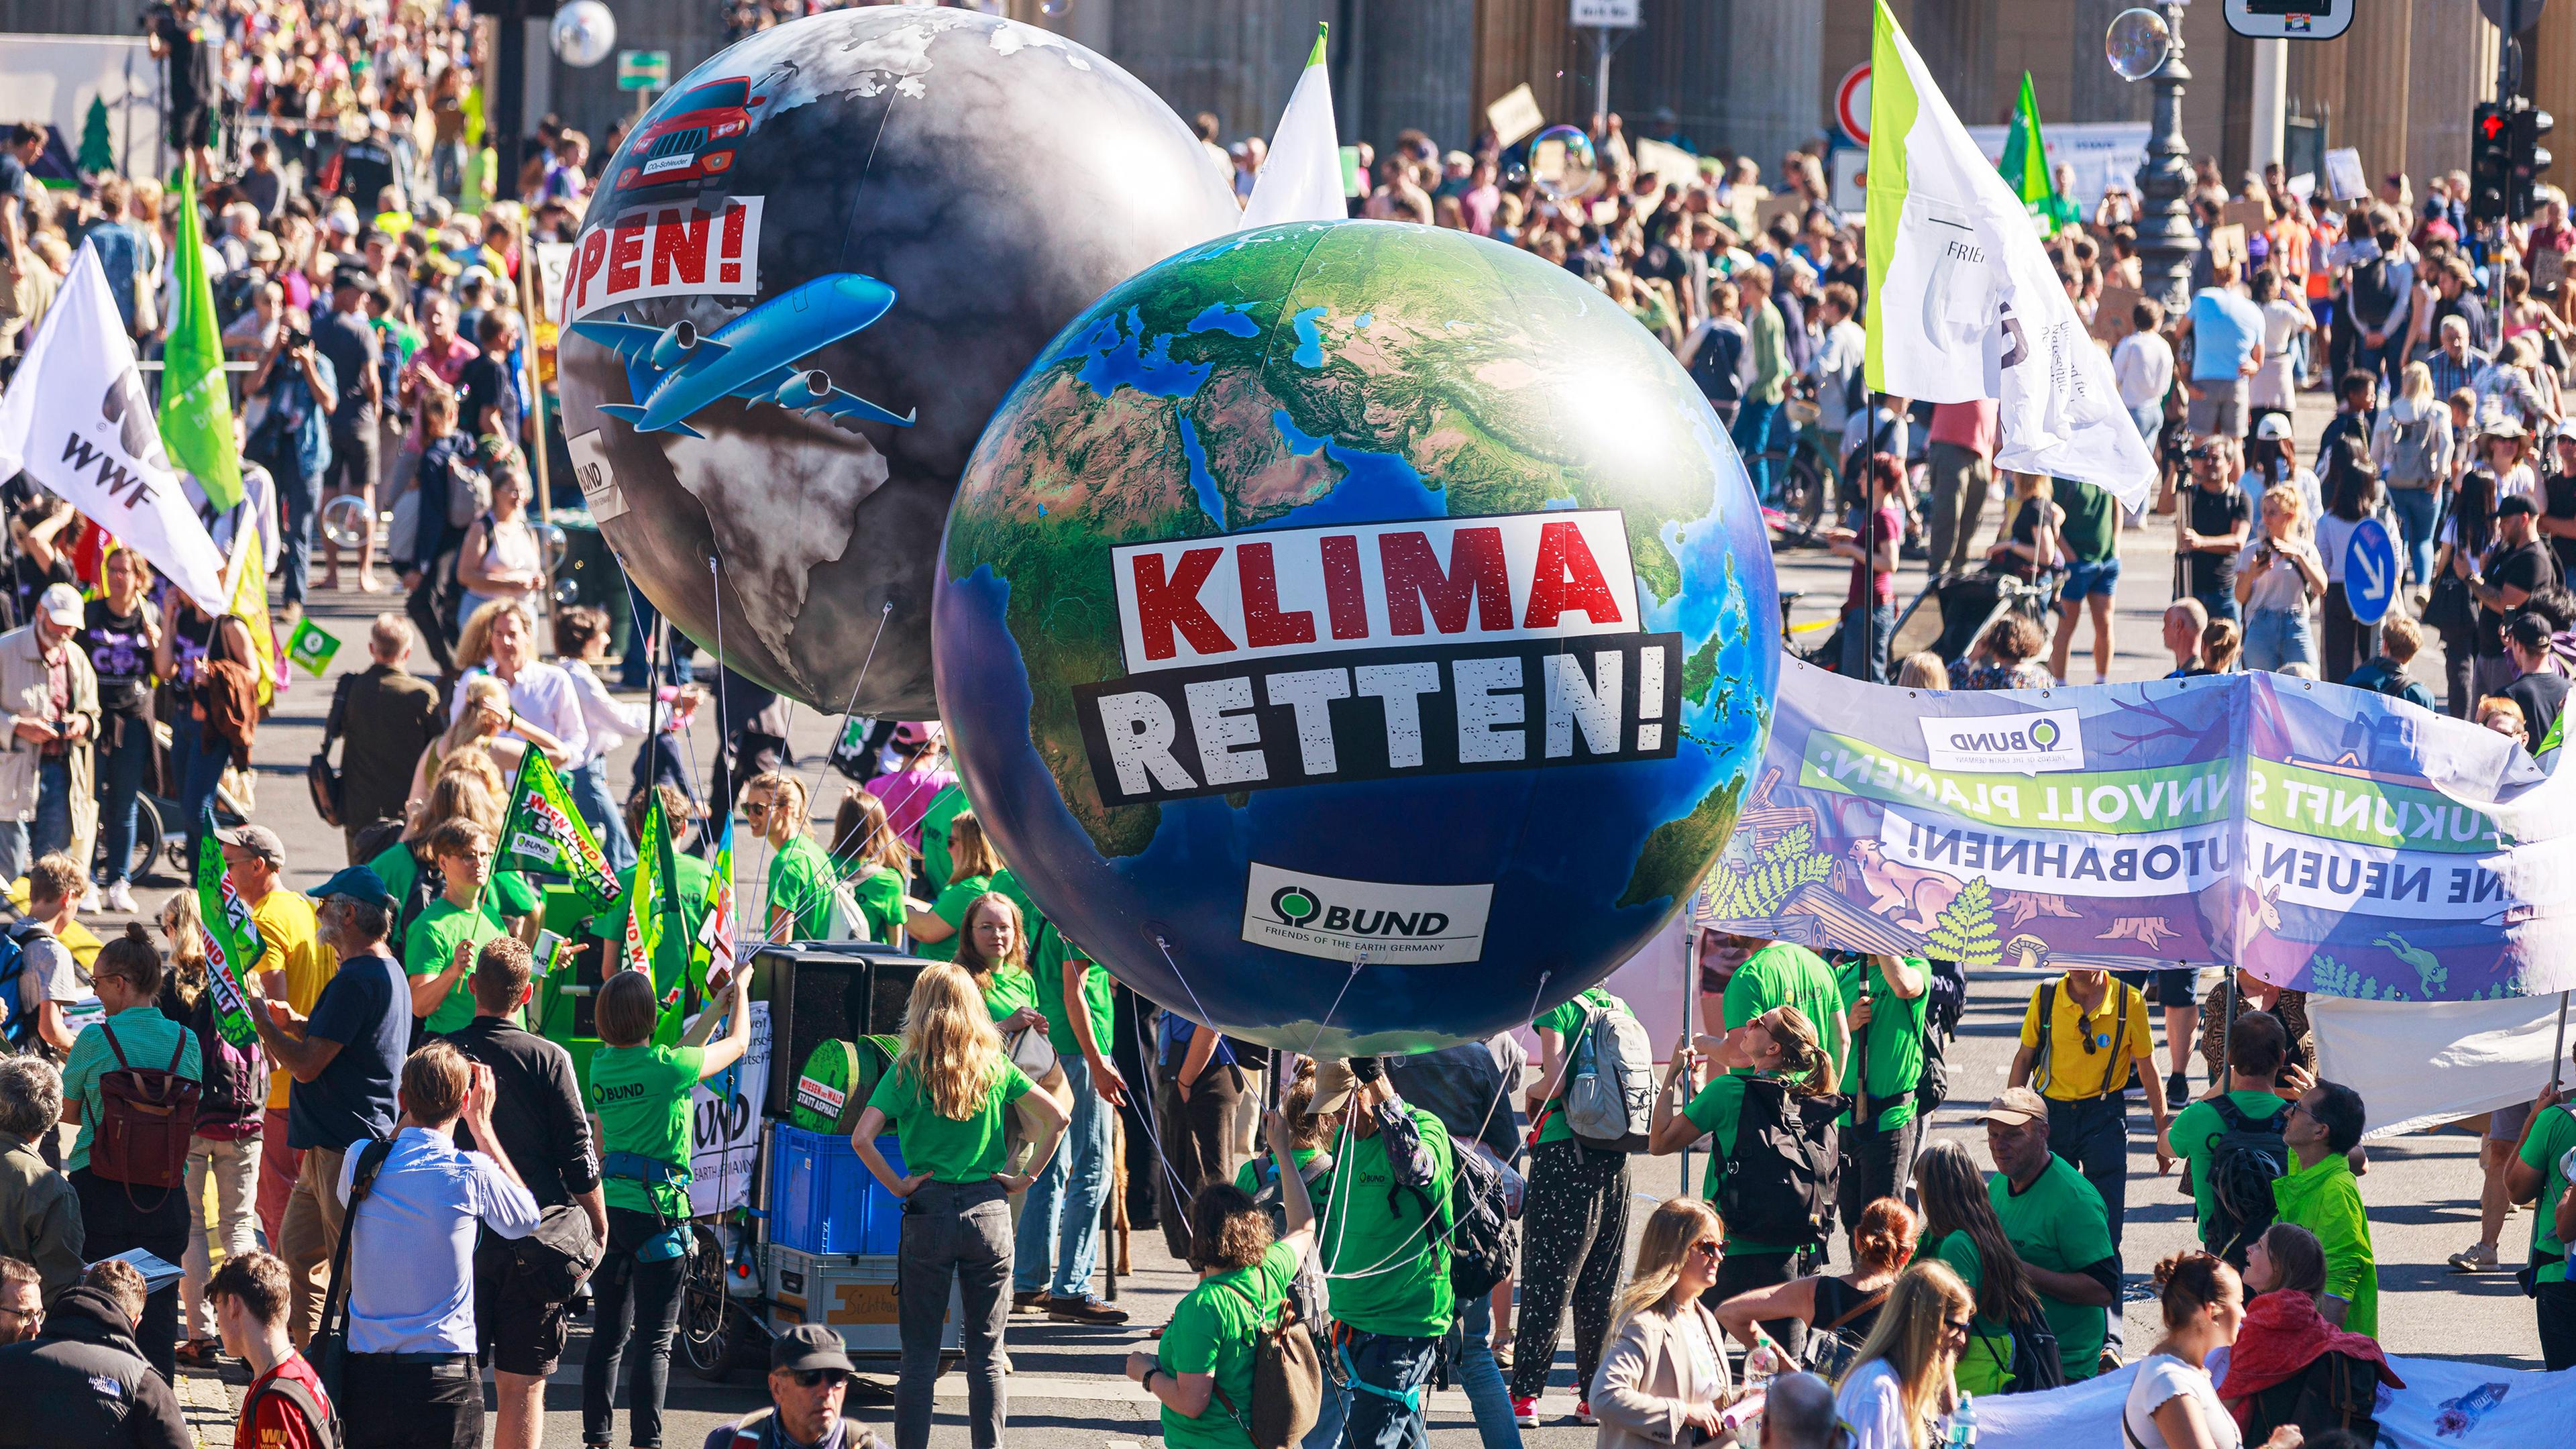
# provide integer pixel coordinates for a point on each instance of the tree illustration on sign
(97, 152)
(1965, 930)
(1782, 867)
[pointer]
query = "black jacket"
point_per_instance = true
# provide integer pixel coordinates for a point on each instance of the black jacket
(58, 1385)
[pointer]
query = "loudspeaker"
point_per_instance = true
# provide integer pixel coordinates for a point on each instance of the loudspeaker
(821, 990)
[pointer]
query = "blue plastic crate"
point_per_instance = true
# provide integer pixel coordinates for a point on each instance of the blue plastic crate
(825, 1200)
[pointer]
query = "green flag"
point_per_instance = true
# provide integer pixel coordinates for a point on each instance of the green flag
(312, 646)
(544, 830)
(2025, 165)
(232, 938)
(643, 939)
(196, 412)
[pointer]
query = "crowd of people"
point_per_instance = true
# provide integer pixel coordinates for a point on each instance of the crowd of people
(401, 1171)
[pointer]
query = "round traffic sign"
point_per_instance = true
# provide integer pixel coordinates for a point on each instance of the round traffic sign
(2370, 575)
(1851, 104)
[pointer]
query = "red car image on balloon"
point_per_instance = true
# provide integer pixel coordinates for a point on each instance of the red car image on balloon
(695, 141)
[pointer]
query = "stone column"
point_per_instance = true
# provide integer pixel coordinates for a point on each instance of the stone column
(1418, 63)
(2097, 92)
(1769, 95)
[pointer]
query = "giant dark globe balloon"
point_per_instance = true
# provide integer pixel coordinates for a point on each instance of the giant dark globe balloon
(1357, 635)
(875, 213)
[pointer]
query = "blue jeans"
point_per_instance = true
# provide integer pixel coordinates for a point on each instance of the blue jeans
(198, 770)
(588, 787)
(1752, 433)
(1865, 636)
(2221, 603)
(1371, 1420)
(2418, 511)
(21, 842)
(1060, 1218)
(2274, 637)
(120, 778)
(1482, 1378)
(2150, 420)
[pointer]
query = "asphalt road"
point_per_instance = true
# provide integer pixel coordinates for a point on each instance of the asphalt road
(1066, 1387)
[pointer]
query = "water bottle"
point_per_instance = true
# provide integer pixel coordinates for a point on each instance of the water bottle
(1963, 1423)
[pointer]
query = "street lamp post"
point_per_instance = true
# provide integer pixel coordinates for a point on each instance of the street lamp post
(2166, 240)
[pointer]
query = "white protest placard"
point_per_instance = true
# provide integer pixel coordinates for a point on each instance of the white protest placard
(1666, 162)
(2344, 175)
(1514, 115)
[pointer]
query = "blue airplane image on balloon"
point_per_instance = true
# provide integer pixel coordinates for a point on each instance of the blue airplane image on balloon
(672, 372)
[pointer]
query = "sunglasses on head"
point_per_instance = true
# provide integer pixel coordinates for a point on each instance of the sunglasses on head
(817, 1378)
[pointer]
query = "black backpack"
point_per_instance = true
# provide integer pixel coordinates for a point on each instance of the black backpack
(2244, 1161)
(1482, 1249)
(2335, 1391)
(2035, 1362)
(1718, 365)
(1945, 1000)
(1778, 1183)
(321, 1420)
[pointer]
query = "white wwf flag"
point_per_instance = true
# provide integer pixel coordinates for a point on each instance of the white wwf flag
(1963, 301)
(78, 420)
(1301, 177)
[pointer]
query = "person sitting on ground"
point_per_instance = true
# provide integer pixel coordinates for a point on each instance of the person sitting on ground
(2171, 1403)
(2400, 640)
(1663, 1377)
(82, 1381)
(1900, 1383)
(2284, 1333)
(286, 1404)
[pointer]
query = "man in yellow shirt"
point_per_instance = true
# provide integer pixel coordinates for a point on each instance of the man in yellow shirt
(292, 967)
(2083, 1039)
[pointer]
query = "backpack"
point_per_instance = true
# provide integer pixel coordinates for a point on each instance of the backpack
(321, 1421)
(2335, 1391)
(1482, 1249)
(1718, 365)
(234, 1088)
(2035, 1363)
(2244, 1162)
(1610, 1092)
(1287, 1379)
(229, 692)
(2410, 452)
(18, 1030)
(469, 494)
(146, 1116)
(1778, 1183)
(1945, 1000)
(1308, 1292)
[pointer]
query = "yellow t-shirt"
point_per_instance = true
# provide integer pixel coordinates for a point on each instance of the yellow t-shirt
(2072, 1073)
(288, 943)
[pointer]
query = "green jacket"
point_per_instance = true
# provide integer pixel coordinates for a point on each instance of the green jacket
(1768, 334)
(40, 1216)
(2326, 1200)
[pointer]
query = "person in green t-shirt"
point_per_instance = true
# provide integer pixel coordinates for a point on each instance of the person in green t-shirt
(692, 881)
(2538, 1175)
(945, 1096)
(2088, 543)
(1201, 1370)
(462, 793)
(2319, 1193)
(438, 951)
(1780, 1045)
(1882, 999)
(873, 861)
(1742, 977)
(1960, 1229)
(640, 1099)
(1385, 1257)
(1575, 1221)
(2057, 1224)
(975, 862)
(946, 806)
(2257, 1049)
(802, 895)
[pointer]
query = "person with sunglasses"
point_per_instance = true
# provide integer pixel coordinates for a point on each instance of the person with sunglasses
(1898, 1393)
(2320, 1194)
(809, 1377)
(2171, 1403)
(2212, 526)
(1663, 1377)
(2084, 1039)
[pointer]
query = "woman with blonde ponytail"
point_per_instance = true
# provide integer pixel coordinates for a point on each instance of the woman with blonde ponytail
(1663, 1378)
(945, 1096)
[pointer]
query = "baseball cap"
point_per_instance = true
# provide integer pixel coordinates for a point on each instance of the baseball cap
(358, 883)
(1333, 1085)
(62, 604)
(808, 1346)
(2273, 429)
(2513, 504)
(2016, 1106)
(261, 841)
(2566, 428)
(916, 732)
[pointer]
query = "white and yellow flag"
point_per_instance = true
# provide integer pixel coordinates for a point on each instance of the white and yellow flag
(1301, 177)
(1963, 300)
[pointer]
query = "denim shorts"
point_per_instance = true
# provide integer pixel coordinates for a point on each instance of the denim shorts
(2094, 579)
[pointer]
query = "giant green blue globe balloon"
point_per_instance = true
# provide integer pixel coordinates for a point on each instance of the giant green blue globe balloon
(1356, 635)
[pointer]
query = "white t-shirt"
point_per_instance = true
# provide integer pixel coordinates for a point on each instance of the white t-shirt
(2161, 1379)
(2143, 364)
(1872, 1407)
(2280, 586)
(2274, 385)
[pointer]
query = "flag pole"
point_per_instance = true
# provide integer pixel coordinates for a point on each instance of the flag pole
(2558, 1053)
(1690, 1001)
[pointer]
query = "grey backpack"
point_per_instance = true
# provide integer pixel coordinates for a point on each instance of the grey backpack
(1610, 1096)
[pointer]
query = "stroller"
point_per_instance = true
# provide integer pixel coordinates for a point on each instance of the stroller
(1950, 613)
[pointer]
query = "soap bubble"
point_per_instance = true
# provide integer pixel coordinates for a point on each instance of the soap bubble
(346, 522)
(2137, 43)
(1561, 162)
(584, 32)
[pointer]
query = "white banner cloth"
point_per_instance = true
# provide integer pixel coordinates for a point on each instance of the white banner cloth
(2444, 1405)
(2422, 1063)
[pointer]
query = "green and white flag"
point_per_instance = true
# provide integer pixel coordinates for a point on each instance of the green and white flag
(1964, 302)
(2025, 166)
(196, 414)
(1301, 178)
(231, 937)
(543, 830)
(311, 647)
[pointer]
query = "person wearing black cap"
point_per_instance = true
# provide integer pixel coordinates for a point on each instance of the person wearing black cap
(348, 338)
(809, 1374)
(2516, 567)
(344, 1060)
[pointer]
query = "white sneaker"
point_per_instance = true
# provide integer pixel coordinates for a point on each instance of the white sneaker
(2476, 1258)
(89, 901)
(120, 897)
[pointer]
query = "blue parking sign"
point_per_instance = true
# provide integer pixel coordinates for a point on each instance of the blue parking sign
(2370, 575)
